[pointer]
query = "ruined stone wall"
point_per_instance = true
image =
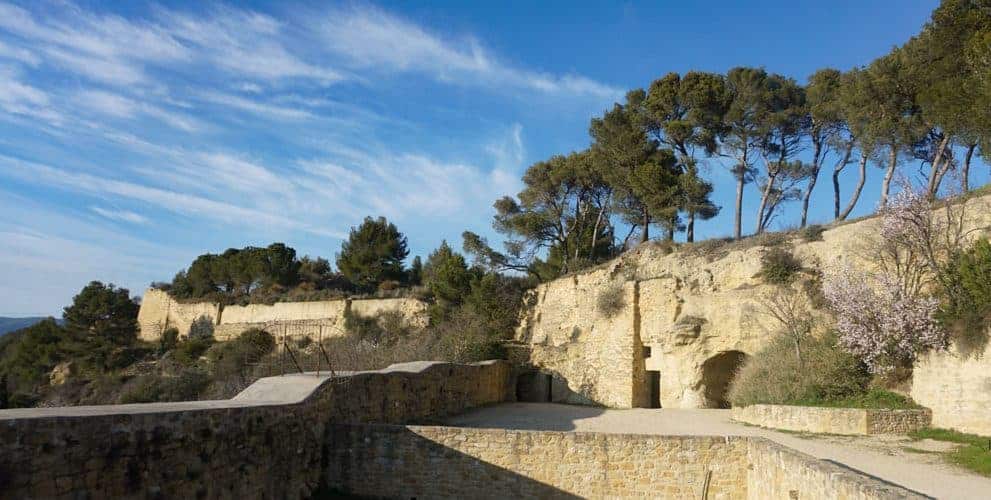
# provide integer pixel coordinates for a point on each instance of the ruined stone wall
(223, 449)
(159, 312)
(691, 306)
(957, 387)
(294, 319)
(445, 462)
(849, 421)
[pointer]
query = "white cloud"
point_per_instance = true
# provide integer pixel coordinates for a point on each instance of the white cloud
(256, 107)
(120, 215)
(110, 49)
(123, 107)
(372, 38)
(18, 54)
(20, 98)
(180, 203)
(246, 43)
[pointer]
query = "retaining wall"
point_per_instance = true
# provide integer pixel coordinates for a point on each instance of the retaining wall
(447, 462)
(247, 448)
(850, 421)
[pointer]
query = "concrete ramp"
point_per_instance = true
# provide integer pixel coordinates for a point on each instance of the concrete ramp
(296, 387)
(286, 389)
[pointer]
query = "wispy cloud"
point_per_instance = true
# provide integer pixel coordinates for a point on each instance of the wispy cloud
(120, 215)
(246, 43)
(181, 203)
(372, 38)
(20, 98)
(123, 107)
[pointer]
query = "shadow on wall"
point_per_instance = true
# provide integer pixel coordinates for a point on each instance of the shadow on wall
(717, 375)
(526, 417)
(395, 462)
(535, 386)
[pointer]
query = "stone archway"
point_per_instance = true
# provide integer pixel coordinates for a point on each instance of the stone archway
(717, 374)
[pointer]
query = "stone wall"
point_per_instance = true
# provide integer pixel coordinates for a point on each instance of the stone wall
(445, 462)
(159, 312)
(686, 308)
(849, 421)
(293, 319)
(238, 448)
(957, 387)
(775, 471)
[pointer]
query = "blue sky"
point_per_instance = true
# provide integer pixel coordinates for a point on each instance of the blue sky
(134, 137)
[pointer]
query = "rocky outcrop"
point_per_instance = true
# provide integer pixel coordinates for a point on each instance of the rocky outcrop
(684, 316)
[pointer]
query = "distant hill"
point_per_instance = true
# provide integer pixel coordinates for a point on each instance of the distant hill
(8, 325)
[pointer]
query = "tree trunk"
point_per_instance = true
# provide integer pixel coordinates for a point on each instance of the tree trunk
(888, 175)
(816, 166)
(965, 171)
(595, 232)
(739, 205)
(646, 226)
(764, 196)
(856, 192)
(836, 179)
(690, 227)
(934, 176)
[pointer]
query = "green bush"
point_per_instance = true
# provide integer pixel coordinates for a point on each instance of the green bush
(169, 340)
(776, 376)
(202, 327)
(259, 339)
(966, 308)
(813, 232)
(185, 386)
(779, 266)
(610, 300)
(189, 350)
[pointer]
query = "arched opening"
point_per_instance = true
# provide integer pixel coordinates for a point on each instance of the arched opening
(717, 374)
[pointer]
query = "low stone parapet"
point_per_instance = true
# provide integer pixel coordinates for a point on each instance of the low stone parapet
(849, 421)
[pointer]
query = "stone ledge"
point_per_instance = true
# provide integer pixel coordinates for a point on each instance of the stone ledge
(847, 421)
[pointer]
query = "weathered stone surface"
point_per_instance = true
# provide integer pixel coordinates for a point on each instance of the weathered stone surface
(159, 312)
(689, 307)
(222, 449)
(775, 471)
(957, 387)
(313, 319)
(449, 462)
(848, 421)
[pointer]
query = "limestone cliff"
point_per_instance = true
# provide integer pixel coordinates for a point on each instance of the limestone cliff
(687, 318)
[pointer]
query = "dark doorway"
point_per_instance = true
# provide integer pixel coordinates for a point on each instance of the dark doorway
(654, 388)
(717, 375)
(533, 387)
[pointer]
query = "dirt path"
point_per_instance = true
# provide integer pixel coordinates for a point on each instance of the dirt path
(884, 457)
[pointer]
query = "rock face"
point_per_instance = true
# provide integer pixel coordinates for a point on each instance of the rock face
(160, 311)
(686, 319)
(957, 386)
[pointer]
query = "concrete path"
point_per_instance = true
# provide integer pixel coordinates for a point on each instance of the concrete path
(882, 457)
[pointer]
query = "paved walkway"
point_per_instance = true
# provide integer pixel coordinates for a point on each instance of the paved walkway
(882, 457)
